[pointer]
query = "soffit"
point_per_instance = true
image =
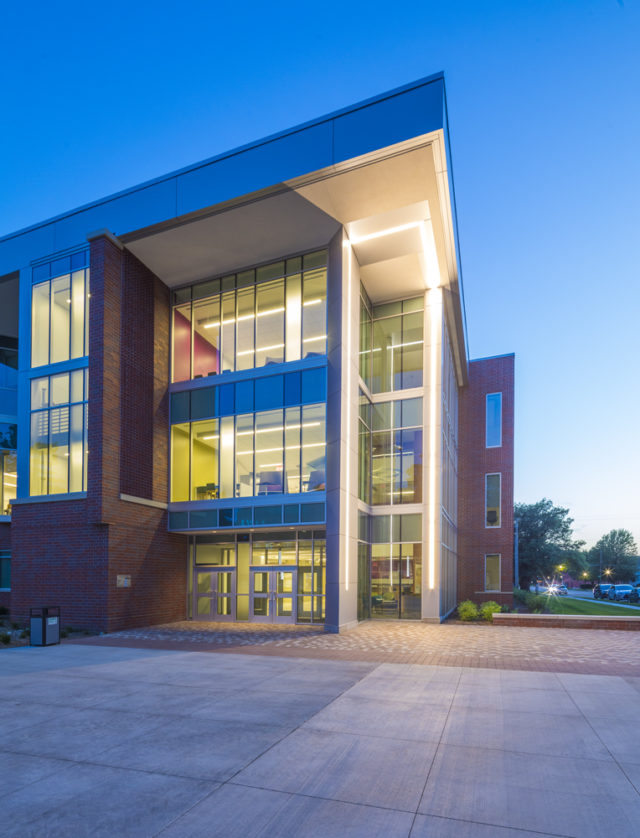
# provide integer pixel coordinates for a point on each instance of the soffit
(258, 231)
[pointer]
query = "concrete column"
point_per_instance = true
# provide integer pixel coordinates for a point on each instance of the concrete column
(431, 577)
(342, 436)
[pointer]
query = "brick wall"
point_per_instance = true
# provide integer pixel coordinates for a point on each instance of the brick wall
(490, 375)
(70, 553)
(58, 558)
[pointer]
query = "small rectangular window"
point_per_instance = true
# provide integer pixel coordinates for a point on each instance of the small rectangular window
(5, 570)
(492, 500)
(492, 572)
(494, 420)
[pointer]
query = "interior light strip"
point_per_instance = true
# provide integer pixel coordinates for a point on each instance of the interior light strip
(260, 349)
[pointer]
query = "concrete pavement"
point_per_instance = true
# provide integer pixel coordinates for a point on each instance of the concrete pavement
(103, 741)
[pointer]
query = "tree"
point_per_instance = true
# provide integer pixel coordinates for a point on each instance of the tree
(617, 552)
(545, 541)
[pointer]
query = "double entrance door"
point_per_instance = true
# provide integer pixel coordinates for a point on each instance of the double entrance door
(272, 595)
(215, 595)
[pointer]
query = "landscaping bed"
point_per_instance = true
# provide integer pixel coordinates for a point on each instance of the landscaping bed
(13, 634)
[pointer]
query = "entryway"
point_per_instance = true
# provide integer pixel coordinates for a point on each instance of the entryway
(215, 595)
(273, 596)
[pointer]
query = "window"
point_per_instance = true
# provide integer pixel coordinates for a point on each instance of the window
(8, 466)
(396, 451)
(60, 318)
(59, 444)
(395, 582)
(492, 572)
(273, 314)
(270, 452)
(5, 570)
(398, 341)
(494, 420)
(492, 500)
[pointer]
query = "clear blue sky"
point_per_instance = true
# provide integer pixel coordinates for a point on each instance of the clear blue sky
(544, 106)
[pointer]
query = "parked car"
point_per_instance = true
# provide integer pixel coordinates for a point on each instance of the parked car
(600, 591)
(620, 592)
(557, 590)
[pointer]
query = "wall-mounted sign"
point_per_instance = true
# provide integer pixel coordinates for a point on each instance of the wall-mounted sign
(123, 580)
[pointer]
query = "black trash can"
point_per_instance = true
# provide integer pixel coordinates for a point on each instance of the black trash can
(44, 624)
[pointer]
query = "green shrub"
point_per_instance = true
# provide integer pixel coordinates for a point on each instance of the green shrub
(505, 609)
(3, 610)
(5, 638)
(536, 603)
(468, 611)
(24, 634)
(488, 609)
(64, 633)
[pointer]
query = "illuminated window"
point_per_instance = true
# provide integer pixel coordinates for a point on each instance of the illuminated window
(8, 466)
(398, 342)
(59, 443)
(492, 572)
(60, 318)
(494, 420)
(271, 452)
(492, 500)
(273, 314)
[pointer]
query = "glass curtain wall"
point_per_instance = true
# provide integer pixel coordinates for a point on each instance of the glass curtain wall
(395, 582)
(59, 444)
(396, 452)
(60, 318)
(279, 451)
(251, 319)
(391, 344)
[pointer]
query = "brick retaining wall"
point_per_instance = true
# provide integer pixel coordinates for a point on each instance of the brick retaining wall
(581, 621)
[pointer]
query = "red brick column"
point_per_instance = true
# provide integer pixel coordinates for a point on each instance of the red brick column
(489, 375)
(71, 552)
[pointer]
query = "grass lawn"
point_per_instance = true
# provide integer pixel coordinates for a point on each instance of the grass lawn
(561, 605)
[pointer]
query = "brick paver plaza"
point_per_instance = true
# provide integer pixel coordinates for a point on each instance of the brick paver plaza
(450, 644)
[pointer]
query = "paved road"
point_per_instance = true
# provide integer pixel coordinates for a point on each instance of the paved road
(100, 742)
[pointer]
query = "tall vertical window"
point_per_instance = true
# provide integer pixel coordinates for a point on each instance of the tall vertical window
(5, 570)
(8, 466)
(58, 449)
(364, 449)
(9, 476)
(396, 451)
(492, 572)
(269, 315)
(396, 567)
(398, 341)
(492, 500)
(494, 420)
(60, 318)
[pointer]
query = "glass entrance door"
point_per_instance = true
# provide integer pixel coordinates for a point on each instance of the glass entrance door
(273, 597)
(215, 595)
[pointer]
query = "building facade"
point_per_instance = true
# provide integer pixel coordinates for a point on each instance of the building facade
(242, 391)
